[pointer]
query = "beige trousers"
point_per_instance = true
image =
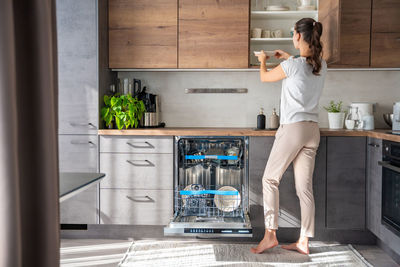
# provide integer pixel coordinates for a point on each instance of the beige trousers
(298, 143)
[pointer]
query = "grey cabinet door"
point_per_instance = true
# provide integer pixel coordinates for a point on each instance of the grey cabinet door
(78, 153)
(137, 171)
(139, 207)
(77, 66)
(374, 185)
(289, 215)
(346, 159)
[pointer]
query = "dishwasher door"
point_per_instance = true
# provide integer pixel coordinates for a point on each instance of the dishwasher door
(211, 196)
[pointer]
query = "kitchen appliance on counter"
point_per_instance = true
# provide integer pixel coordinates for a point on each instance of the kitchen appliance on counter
(211, 180)
(396, 118)
(366, 113)
(391, 185)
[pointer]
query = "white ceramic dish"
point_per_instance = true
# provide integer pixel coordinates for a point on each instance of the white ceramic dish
(268, 53)
(227, 203)
(277, 8)
(305, 8)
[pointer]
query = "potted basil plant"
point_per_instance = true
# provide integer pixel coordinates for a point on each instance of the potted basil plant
(335, 115)
(124, 110)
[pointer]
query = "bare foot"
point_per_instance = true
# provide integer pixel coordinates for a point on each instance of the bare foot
(268, 242)
(301, 246)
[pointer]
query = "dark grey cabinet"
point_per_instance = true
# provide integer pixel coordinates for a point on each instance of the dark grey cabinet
(374, 185)
(289, 213)
(346, 183)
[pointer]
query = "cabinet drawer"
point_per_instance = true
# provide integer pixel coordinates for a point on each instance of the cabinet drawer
(80, 209)
(137, 171)
(136, 144)
(78, 153)
(140, 207)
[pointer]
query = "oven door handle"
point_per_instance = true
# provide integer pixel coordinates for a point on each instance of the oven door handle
(386, 164)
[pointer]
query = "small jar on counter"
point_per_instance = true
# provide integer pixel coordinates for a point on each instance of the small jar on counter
(274, 120)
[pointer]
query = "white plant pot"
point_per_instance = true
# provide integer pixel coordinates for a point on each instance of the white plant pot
(336, 120)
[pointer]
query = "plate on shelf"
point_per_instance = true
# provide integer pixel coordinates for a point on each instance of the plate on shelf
(268, 53)
(277, 8)
(227, 203)
(305, 8)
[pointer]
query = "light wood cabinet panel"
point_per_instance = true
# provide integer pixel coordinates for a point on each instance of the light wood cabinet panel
(213, 34)
(386, 16)
(329, 16)
(143, 34)
(355, 26)
(385, 50)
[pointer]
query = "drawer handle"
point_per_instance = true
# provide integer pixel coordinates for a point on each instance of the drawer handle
(76, 142)
(74, 124)
(147, 164)
(373, 145)
(142, 199)
(136, 146)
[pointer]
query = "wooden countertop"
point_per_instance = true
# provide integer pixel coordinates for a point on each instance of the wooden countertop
(211, 131)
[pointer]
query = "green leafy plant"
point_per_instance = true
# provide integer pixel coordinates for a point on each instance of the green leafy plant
(125, 110)
(334, 107)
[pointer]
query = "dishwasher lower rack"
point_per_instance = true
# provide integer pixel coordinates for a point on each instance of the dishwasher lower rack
(195, 200)
(209, 212)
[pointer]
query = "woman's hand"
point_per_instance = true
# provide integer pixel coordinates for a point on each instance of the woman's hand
(262, 57)
(279, 54)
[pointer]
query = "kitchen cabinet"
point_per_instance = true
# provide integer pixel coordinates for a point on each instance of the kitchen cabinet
(82, 76)
(143, 34)
(385, 34)
(213, 34)
(138, 207)
(289, 214)
(354, 34)
(139, 184)
(374, 185)
(346, 183)
(140, 171)
(77, 67)
(78, 153)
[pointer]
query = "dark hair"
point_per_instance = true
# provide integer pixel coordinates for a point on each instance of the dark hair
(311, 31)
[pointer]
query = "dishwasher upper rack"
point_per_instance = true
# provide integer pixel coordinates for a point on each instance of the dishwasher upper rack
(204, 205)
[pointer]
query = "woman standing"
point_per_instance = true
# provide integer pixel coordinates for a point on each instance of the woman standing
(298, 136)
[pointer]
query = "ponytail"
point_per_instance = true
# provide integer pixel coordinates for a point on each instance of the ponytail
(311, 31)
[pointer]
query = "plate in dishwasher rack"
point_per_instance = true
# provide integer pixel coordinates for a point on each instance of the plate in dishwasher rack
(227, 203)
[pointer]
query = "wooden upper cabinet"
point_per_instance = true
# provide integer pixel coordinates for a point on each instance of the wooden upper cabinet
(385, 39)
(386, 16)
(329, 16)
(355, 28)
(143, 33)
(213, 34)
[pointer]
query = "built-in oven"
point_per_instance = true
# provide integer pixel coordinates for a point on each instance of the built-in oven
(391, 185)
(211, 180)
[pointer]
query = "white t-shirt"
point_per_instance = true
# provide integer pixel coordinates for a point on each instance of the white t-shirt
(301, 90)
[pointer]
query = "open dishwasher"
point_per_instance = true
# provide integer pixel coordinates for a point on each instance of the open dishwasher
(211, 187)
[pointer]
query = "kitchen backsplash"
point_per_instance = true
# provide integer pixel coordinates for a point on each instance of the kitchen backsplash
(240, 110)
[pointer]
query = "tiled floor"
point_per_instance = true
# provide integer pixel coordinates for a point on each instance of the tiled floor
(106, 252)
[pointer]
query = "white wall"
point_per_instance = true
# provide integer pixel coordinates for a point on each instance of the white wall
(240, 110)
